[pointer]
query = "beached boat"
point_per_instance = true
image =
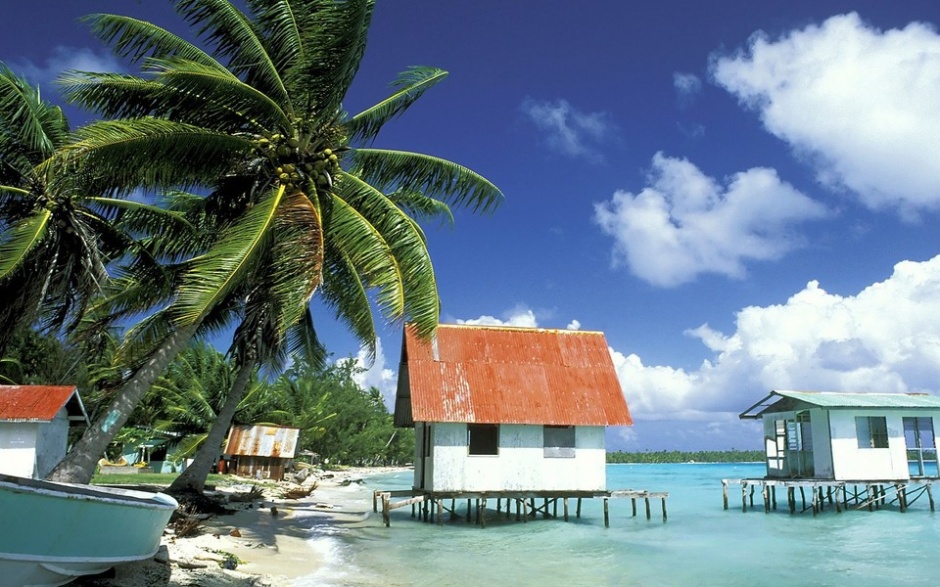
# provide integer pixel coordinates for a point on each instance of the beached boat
(54, 532)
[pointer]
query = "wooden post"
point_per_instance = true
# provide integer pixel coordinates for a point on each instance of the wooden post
(845, 498)
(483, 513)
(744, 496)
(375, 501)
(425, 511)
(532, 506)
(752, 496)
(773, 496)
(930, 496)
(902, 497)
(545, 507)
(578, 512)
(814, 503)
(803, 498)
(633, 505)
(724, 492)
(517, 508)
(385, 517)
(431, 507)
(606, 514)
(440, 512)
(499, 505)
(791, 499)
(555, 507)
(647, 500)
(468, 511)
(525, 512)
(566, 506)
(765, 491)
(453, 510)
(664, 508)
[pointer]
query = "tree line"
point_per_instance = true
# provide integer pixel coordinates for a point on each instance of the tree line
(681, 456)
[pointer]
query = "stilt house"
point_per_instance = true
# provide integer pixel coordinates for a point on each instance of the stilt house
(509, 409)
(34, 427)
(848, 436)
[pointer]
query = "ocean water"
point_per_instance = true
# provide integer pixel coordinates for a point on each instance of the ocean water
(700, 544)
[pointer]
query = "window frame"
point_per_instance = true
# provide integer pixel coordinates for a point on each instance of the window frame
(872, 432)
(484, 438)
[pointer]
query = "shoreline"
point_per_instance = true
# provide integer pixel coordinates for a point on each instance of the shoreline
(270, 545)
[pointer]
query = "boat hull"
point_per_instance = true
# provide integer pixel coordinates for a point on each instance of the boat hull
(54, 532)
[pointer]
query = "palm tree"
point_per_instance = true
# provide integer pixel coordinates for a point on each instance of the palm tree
(301, 202)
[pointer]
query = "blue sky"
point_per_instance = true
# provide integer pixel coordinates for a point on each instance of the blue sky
(741, 195)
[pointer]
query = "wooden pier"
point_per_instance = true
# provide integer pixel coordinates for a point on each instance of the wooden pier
(430, 506)
(817, 494)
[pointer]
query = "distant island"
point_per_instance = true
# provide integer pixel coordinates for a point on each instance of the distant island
(681, 456)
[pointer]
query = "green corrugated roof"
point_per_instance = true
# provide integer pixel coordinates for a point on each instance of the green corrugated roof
(831, 399)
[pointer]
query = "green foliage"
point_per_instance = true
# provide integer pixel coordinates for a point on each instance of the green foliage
(681, 456)
(33, 358)
(356, 426)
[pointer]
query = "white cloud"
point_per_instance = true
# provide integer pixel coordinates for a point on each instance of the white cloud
(687, 85)
(859, 103)
(376, 374)
(886, 338)
(685, 223)
(63, 59)
(518, 316)
(568, 130)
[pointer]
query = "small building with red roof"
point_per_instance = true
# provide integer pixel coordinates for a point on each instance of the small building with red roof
(34, 427)
(499, 409)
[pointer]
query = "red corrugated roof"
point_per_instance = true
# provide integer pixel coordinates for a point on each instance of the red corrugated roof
(501, 375)
(32, 403)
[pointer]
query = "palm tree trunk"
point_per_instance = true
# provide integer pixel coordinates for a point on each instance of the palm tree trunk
(193, 479)
(79, 464)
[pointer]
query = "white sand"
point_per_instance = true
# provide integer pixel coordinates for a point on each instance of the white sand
(272, 549)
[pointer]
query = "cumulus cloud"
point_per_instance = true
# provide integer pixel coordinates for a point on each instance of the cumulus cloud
(885, 338)
(376, 374)
(859, 103)
(518, 316)
(687, 85)
(568, 130)
(62, 60)
(685, 223)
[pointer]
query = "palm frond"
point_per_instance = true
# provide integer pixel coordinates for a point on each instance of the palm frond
(236, 38)
(22, 113)
(211, 276)
(436, 177)
(422, 207)
(136, 39)
(17, 243)
(411, 84)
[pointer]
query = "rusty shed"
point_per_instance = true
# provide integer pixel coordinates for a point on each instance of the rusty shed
(261, 451)
(509, 409)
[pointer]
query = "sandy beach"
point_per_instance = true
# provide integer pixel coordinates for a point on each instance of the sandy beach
(265, 537)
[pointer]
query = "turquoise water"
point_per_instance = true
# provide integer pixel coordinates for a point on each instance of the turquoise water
(701, 544)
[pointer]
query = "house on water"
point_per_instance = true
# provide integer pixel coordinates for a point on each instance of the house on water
(848, 436)
(259, 451)
(34, 427)
(505, 411)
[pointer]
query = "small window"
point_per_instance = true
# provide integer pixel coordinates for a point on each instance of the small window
(872, 431)
(558, 442)
(483, 439)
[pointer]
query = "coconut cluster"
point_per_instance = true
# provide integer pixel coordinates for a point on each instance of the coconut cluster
(298, 165)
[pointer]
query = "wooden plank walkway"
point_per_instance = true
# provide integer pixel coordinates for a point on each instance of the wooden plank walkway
(862, 494)
(431, 505)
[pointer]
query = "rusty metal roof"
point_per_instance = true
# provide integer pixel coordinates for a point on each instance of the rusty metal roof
(39, 403)
(278, 442)
(501, 375)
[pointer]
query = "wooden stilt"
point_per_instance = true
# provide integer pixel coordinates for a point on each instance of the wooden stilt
(773, 496)
(791, 499)
(647, 500)
(744, 497)
(532, 506)
(453, 510)
(544, 507)
(664, 509)
(803, 497)
(566, 507)
(468, 511)
(483, 513)
(578, 511)
(633, 505)
(930, 496)
(606, 514)
(555, 507)
(525, 512)
(517, 508)
(432, 507)
(375, 501)
(385, 517)
(425, 511)
(499, 505)
(724, 493)
(765, 491)
(752, 496)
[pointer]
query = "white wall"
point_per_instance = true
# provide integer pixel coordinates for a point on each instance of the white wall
(853, 463)
(52, 443)
(18, 448)
(520, 464)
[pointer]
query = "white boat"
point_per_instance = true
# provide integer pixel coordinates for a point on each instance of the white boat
(51, 533)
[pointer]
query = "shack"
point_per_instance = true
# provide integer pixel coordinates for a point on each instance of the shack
(848, 436)
(868, 449)
(34, 427)
(499, 409)
(259, 451)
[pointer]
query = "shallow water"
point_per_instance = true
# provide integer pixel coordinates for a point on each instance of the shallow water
(701, 544)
